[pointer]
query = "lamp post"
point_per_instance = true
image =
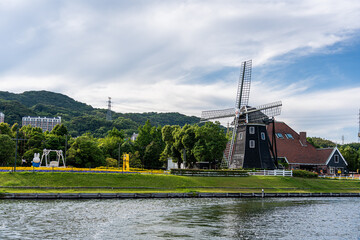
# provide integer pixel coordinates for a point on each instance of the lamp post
(119, 155)
(16, 144)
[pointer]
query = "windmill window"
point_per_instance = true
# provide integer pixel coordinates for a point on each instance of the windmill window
(252, 143)
(289, 136)
(252, 130)
(336, 158)
(279, 135)
(262, 136)
(241, 136)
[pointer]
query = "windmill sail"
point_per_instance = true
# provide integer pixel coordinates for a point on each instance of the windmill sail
(243, 92)
(264, 111)
(216, 114)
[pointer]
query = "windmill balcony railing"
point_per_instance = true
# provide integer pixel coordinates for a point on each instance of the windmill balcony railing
(280, 173)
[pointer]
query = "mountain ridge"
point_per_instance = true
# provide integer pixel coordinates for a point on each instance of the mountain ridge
(80, 117)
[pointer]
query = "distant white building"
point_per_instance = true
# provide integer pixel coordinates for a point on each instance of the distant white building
(2, 117)
(171, 164)
(46, 124)
(134, 136)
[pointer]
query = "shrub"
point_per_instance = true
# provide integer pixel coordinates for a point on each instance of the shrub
(111, 162)
(304, 174)
(207, 172)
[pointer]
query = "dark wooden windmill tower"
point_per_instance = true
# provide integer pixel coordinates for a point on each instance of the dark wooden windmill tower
(250, 146)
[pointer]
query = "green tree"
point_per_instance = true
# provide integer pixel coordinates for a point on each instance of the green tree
(54, 142)
(320, 142)
(152, 156)
(188, 140)
(144, 138)
(115, 133)
(149, 141)
(110, 146)
(7, 150)
(5, 129)
(59, 130)
(84, 152)
(168, 133)
(351, 156)
(135, 161)
(211, 143)
(29, 155)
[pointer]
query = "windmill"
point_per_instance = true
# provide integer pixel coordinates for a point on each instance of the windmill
(250, 146)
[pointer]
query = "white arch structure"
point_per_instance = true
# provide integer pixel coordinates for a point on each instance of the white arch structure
(48, 163)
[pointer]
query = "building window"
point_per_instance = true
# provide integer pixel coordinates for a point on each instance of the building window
(252, 143)
(332, 170)
(241, 136)
(279, 135)
(252, 130)
(336, 158)
(262, 136)
(289, 136)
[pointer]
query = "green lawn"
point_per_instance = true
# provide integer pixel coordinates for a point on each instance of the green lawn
(168, 183)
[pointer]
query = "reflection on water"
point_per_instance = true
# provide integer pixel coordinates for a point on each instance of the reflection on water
(291, 218)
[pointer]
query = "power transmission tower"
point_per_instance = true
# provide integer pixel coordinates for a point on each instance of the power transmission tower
(108, 114)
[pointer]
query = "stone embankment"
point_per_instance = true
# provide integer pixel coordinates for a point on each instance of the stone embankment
(166, 195)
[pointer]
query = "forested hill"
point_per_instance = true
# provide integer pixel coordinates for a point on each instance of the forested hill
(80, 117)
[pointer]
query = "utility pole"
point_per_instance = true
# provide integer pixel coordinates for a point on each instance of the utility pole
(16, 146)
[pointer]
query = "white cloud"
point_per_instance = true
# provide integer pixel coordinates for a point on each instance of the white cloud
(153, 55)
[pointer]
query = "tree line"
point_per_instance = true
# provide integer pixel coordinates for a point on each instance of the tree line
(187, 145)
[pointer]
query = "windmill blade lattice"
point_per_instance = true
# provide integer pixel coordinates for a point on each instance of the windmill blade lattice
(216, 114)
(264, 111)
(243, 92)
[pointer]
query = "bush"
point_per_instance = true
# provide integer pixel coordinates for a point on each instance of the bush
(203, 172)
(304, 174)
(111, 162)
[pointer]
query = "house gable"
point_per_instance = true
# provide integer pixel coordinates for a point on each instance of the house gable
(336, 159)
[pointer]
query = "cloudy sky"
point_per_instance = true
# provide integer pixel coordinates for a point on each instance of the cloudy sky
(184, 56)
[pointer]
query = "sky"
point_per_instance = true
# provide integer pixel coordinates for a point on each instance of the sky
(185, 56)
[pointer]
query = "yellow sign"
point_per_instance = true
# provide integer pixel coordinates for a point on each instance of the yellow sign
(126, 165)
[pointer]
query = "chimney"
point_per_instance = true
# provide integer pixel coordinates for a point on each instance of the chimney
(303, 138)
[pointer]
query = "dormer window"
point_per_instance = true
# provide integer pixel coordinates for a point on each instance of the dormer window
(279, 135)
(289, 136)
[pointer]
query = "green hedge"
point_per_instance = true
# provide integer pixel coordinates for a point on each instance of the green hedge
(212, 173)
(304, 174)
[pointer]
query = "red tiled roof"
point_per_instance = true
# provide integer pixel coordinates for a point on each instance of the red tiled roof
(295, 151)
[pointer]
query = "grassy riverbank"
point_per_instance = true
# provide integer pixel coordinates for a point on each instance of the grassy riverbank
(141, 183)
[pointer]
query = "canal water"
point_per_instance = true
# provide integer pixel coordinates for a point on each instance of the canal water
(286, 218)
